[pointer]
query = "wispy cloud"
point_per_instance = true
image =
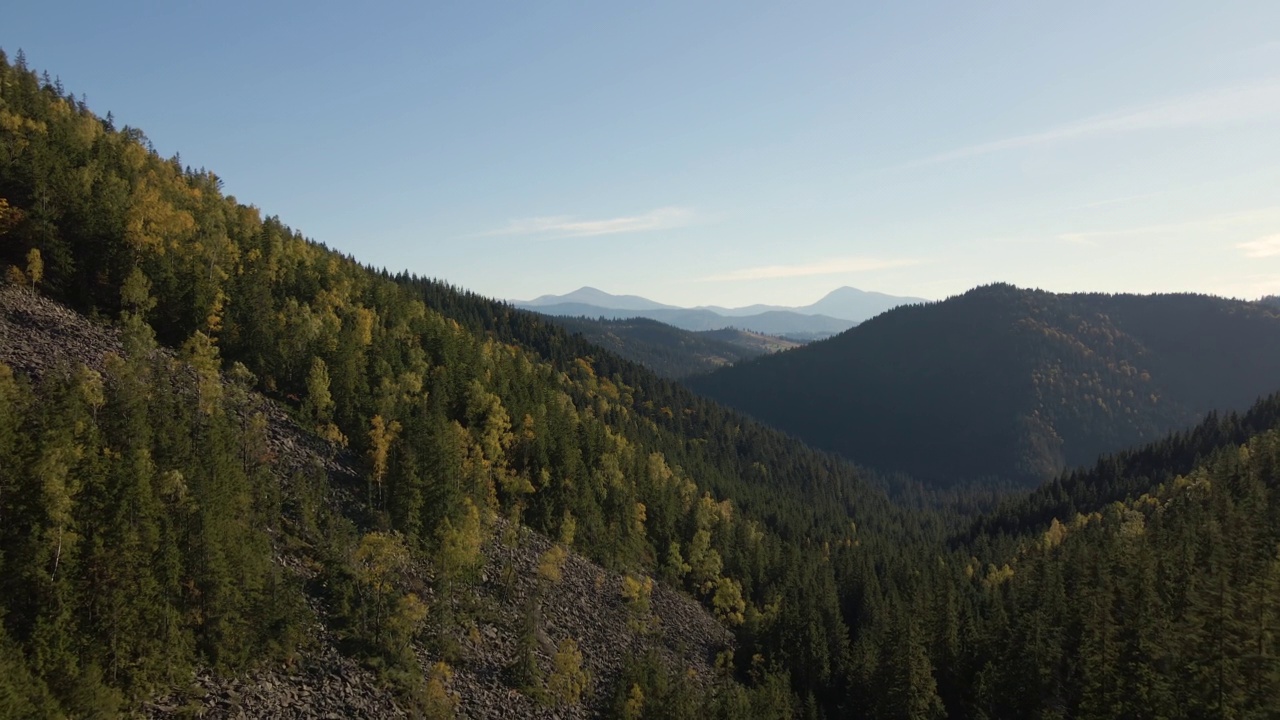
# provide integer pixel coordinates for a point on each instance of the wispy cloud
(568, 226)
(1263, 247)
(833, 266)
(1120, 200)
(1233, 222)
(1205, 109)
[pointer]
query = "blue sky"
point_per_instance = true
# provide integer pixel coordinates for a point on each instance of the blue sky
(719, 153)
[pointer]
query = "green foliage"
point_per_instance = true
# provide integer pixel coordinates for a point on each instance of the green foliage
(482, 410)
(649, 688)
(460, 544)
(136, 549)
(387, 612)
(637, 593)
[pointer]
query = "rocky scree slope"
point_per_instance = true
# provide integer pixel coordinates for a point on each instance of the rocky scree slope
(38, 336)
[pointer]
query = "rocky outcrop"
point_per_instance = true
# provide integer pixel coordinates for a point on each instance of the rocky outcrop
(585, 605)
(322, 684)
(37, 335)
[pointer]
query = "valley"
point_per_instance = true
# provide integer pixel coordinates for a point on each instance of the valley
(243, 474)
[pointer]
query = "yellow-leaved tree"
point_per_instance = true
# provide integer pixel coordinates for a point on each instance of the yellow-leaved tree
(460, 543)
(439, 701)
(638, 593)
(317, 407)
(202, 355)
(568, 679)
(381, 435)
(35, 267)
(387, 612)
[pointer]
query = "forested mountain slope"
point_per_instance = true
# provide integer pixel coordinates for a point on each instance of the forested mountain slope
(265, 528)
(1123, 476)
(1164, 606)
(670, 351)
(1010, 383)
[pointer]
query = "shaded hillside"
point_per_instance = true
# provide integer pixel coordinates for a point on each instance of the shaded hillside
(1011, 383)
(670, 351)
(757, 343)
(1123, 476)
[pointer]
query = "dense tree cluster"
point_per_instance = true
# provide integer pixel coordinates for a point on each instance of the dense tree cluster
(139, 514)
(136, 533)
(1163, 606)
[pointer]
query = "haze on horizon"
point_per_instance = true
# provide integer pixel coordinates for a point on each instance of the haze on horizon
(720, 155)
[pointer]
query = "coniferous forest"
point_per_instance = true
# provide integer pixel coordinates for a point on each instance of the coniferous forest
(155, 526)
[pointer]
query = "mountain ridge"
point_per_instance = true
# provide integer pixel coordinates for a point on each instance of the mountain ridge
(587, 295)
(847, 304)
(1009, 382)
(773, 322)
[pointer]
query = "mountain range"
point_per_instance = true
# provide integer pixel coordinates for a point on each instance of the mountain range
(836, 312)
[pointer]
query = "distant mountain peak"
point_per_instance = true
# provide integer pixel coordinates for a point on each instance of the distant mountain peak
(853, 304)
(587, 295)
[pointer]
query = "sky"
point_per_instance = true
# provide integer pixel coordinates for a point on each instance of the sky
(719, 153)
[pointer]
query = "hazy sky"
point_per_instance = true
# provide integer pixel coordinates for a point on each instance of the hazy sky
(719, 153)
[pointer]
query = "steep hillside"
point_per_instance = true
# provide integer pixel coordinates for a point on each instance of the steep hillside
(1165, 605)
(670, 351)
(1010, 383)
(1121, 477)
(316, 530)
